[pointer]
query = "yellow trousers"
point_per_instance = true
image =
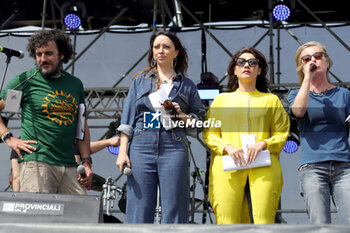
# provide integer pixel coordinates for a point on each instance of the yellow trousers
(227, 194)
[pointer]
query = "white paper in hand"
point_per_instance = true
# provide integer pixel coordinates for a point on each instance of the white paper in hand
(13, 101)
(263, 159)
(80, 131)
(157, 98)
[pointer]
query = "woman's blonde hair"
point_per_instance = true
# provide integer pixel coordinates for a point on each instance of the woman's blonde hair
(299, 62)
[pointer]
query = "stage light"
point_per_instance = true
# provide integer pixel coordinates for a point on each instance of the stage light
(281, 12)
(291, 146)
(73, 13)
(293, 140)
(113, 150)
(281, 9)
(112, 131)
(72, 21)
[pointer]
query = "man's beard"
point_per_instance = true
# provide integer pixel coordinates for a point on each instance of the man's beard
(52, 73)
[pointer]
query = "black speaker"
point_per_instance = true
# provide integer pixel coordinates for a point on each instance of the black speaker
(40, 207)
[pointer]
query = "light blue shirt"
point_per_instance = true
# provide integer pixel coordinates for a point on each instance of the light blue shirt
(323, 132)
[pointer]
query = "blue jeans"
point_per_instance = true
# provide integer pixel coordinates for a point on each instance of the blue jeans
(320, 182)
(158, 157)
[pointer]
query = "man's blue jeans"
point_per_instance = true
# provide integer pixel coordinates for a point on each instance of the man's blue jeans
(320, 182)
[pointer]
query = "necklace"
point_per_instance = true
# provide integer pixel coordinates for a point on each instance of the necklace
(322, 93)
(169, 79)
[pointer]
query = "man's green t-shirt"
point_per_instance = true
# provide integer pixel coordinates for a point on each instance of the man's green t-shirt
(49, 115)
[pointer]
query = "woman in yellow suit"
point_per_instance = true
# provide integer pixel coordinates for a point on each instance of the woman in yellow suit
(247, 114)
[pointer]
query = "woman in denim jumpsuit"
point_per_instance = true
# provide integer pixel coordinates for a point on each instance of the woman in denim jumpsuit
(155, 155)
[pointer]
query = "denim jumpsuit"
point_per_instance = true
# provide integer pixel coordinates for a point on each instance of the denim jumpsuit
(158, 156)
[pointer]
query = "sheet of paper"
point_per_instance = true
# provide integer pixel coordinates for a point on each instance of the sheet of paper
(80, 131)
(157, 98)
(13, 101)
(263, 159)
(247, 140)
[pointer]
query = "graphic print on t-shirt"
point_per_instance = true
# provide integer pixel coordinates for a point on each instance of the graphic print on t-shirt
(60, 107)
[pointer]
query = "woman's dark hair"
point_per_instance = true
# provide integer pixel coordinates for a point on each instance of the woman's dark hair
(261, 81)
(181, 59)
(62, 40)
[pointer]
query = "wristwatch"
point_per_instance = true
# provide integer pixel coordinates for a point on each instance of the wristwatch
(86, 160)
(6, 135)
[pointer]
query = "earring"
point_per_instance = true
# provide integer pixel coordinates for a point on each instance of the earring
(153, 62)
(175, 62)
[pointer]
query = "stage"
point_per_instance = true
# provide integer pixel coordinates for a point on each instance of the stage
(183, 228)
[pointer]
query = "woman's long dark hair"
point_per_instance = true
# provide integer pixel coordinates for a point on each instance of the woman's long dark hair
(181, 59)
(261, 81)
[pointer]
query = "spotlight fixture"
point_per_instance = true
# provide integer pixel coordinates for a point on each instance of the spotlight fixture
(281, 9)
(73, 12)
(281, 12)
(293, 140)
(72, 21)
(291, 146)
(113, 150)
(112, 131)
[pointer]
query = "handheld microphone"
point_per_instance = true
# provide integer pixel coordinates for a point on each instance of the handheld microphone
(12, 52)
(313, 67)
(81, 171)
(127, 170)
(168, 105)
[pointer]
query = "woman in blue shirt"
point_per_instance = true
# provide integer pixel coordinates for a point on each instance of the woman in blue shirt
(158, 156)
(321, 109)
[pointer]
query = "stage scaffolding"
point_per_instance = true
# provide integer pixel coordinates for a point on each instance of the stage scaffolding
(107, 103)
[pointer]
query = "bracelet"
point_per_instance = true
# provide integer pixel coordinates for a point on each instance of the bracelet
(6, 135)
(86, 160)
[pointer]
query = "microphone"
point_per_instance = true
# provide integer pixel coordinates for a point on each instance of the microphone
(168, 105)
(81, 171)
(127, 170)
(313, 67)
(12, 52)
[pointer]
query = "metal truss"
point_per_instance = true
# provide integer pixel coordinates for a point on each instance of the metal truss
(105, 103)
(101, 103)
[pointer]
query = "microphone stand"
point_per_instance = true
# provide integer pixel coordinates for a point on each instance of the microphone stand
(193, 189)
(205, 186)
(8, 60)
(199, 179)
(109, 191)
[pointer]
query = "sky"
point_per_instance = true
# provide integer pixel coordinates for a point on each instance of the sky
(114, 53)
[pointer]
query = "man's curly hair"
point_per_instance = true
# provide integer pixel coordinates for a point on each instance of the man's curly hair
(62, 40)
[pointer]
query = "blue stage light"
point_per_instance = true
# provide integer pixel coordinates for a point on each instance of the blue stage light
(113, 150)
(281, 12)
(72, 21)
(290, 147)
